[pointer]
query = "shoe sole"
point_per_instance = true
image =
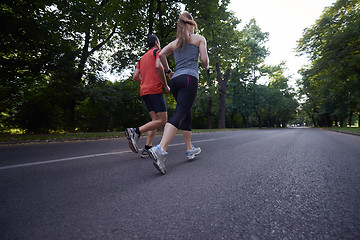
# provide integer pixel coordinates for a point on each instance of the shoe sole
(132, 146)
(144, 155)
(151, 155)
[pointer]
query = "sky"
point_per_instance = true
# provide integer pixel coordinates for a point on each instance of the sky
(285, 21)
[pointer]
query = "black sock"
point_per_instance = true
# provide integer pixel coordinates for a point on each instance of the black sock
(147, 147)
(137, 130)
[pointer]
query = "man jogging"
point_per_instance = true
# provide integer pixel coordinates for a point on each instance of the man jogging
(150, 73)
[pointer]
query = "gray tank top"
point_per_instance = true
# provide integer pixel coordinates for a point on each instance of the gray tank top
(187, 61)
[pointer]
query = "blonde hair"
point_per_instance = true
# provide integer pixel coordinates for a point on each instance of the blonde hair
(185, 20)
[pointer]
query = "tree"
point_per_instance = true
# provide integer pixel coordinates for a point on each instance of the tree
(218, 25)
(28, 52)
(285, 105)
(107, 105)
(53, 54)
(56, 44)
(251, 54)
(147, 17)
(332, 80)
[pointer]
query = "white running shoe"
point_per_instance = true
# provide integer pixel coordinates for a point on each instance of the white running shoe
(133, 138)
(158, 155)
(190, 154)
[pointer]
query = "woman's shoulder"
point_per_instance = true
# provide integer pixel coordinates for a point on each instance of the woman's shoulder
(196, 39)
(199, 36)
(173, 44)
(169, 48)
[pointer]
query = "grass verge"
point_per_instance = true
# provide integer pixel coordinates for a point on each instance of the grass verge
(56, 137)
(25, 138)
(355, 130)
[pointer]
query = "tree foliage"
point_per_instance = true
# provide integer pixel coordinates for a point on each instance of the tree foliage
(54, 55)
(331, 83)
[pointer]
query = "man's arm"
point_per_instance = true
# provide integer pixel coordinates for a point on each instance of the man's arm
(136, 75)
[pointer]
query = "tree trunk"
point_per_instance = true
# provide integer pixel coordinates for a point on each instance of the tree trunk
(350, 118)
(222, 94)
(259, 119)
(77, 77)
(208, 113)
(314, 121)
(151, 18)
(222, 97)
(232, 120)
(245, 119)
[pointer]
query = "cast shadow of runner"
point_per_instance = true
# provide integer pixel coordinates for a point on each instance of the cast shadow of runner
(171, 166)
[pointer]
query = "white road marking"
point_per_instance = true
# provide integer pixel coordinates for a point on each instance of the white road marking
(89, 156)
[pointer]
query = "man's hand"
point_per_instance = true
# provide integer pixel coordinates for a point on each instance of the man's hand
(167, 88)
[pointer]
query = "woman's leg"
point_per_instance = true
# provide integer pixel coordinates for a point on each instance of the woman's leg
(186, 129)
(186, 89)
(187, 139)
(169, 133)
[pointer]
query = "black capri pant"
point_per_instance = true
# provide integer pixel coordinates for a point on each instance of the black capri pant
(184, 88)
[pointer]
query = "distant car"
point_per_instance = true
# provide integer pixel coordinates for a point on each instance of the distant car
(298, 125)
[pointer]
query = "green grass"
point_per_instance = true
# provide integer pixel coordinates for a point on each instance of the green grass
(19, 138)
(345, 129)
(62, 137)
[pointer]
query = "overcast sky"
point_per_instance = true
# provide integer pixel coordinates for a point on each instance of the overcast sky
(285, 21)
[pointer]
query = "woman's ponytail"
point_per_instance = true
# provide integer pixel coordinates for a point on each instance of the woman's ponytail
(185, 20)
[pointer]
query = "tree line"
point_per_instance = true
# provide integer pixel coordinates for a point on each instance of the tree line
(331, 81)
(54, 55)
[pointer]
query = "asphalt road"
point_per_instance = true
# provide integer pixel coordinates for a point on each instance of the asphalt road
(251, 184)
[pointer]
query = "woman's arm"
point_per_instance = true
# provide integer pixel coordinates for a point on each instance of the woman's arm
(203, 54)
(160, 71)
(166, 51)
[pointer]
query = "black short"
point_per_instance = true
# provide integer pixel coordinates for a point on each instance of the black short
(155, 102)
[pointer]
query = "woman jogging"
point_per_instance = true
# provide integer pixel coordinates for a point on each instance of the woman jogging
(184, 83)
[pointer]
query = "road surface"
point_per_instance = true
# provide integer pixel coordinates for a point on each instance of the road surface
(254, 184)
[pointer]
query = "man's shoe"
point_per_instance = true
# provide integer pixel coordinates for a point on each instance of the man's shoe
(144, 153)
(133, 138)
(190, 154)
(158, 155)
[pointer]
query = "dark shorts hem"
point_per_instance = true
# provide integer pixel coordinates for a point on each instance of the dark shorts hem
(155, 102)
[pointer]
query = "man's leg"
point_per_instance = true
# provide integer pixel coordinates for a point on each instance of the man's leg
(157, 118)
(151, 133)
(156, 106)
(157, 121)
(133, 134)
